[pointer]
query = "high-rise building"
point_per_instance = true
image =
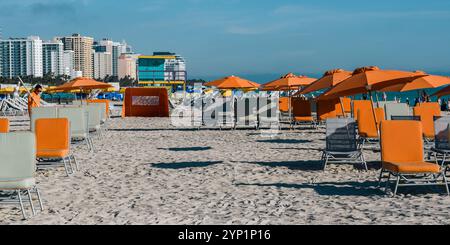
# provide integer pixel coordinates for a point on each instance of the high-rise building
(161, 68)
(115, 49)
(69, 63)
(21, 57)
(102, 64)
(53, 58)
(127, 65)
(82, 47)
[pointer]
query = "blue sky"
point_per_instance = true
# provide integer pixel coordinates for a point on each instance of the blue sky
(254, 37)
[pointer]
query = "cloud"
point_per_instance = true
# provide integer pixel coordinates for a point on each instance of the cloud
(53, 8)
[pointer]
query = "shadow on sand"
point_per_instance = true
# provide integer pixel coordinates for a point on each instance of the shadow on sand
(181, 165)
(284, 141)
(293, 165)
(187, 149)
(368, 188)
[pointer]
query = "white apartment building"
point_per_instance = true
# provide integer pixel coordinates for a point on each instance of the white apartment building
(21, 57)
(53, 58)
(102, 64)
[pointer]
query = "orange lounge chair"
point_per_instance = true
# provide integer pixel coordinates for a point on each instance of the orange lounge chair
(402, 156)
(4, 125)
(360, 105)
(347, 103)
(53, 142)
(284, 104)
(326, 109)
(427, 112)
(301, 111)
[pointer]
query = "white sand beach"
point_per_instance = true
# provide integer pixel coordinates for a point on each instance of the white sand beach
(148, 172)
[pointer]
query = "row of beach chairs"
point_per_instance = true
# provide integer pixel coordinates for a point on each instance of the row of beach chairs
(47, 144)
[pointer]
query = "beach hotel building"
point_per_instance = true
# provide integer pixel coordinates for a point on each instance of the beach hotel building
(53, 58)
(127, 66)
(162, 69)
(21, 57)
(82, 47)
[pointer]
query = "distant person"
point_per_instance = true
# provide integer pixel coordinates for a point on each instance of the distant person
(407, 101)
(34, 98)
(444, 106)
(416, 101)
(384, 96)
(364, 96)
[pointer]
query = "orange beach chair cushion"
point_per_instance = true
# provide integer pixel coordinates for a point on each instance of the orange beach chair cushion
(4, 125)
(402, 148)
(301, 109)
(52, 138)
(427, 112)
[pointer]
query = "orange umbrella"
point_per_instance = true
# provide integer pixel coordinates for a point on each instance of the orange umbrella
(233, 82)
(288, 82)
(330, 79)
(421, 81)
(363, 80)
(443, 92)
(366, 79)
(82, 83)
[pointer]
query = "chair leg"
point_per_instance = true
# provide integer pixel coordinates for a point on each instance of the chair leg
(31, 202)
(66, 167)
(363, 159)
(396, 185)
(21, 205)
(446, 184)
(39, 198)
(326, 161)
(75, 161)
(69, 160)
(381, 177)
(387, 182)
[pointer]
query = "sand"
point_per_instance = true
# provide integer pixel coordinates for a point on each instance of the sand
(148, 172)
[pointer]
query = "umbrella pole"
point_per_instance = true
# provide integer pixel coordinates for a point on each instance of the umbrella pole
(342, 107)
(373, 111)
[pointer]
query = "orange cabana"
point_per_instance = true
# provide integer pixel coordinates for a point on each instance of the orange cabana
(288, 82)
(233, 82)
(301, 110)
(146, 102)
(329, 80)
(427, 112)
(4, 125)
(81, 83)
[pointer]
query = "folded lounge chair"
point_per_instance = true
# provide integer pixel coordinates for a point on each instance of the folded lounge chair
(17, 168)
(396, 109)
(53, 142)
(4, 125)
(79, 124)
(268, 112)
(427, 112)
(441, 147)
(402, 156)
(95, 112)
(246, 112)
(341, 143)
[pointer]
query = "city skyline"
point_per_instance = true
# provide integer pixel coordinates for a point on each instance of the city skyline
(255, 38)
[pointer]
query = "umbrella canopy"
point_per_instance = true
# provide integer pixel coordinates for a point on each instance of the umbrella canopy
(421, 81)
(330, 79)
(81, 83)
(443, 92)
(288, 82)
(364, 80)
(233, 82)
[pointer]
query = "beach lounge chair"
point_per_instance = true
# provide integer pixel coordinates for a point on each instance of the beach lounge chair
(441, 147)
(4, 125)
(246, 112)
(326, 109)
(79, 124)
(42, 112)
(358, 105)
(302, 113)
(367, 130)
(105, 107)
(427, 112)
(224, 113)
(347, 103)
(53, 143)
(402, 156)
(268, 112)
(17, 169)
(405, 118)
(341, 143)
(396, 109)
(96, 111)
